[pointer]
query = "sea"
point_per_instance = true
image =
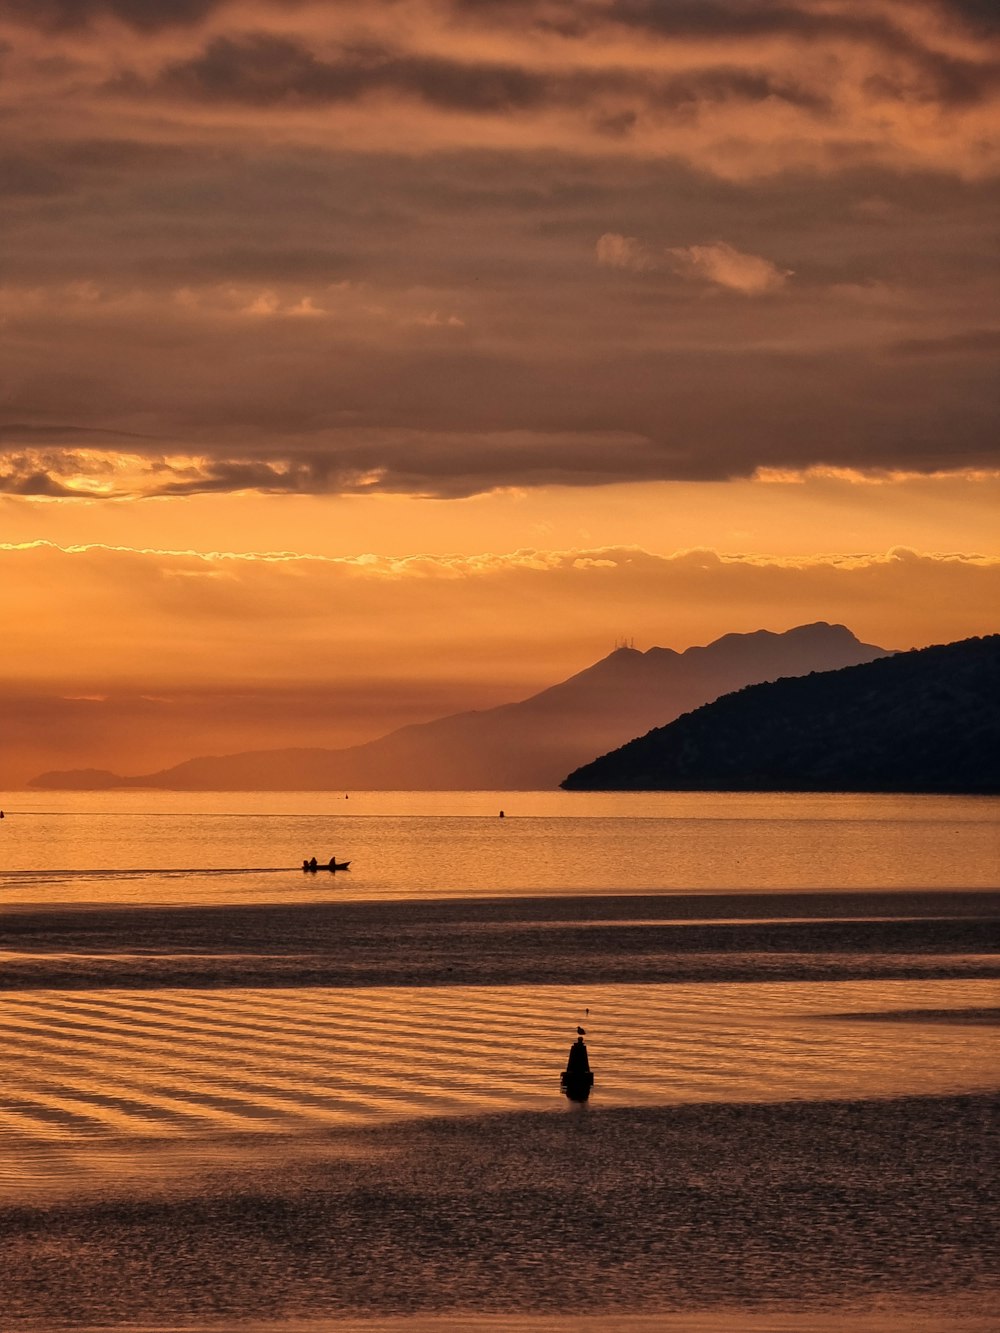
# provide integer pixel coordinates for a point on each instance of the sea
(241, 1095)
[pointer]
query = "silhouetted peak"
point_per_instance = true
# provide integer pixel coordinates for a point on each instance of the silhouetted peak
(818, 637)
(77, 779)
(922, 721)
(620, 661)
(528, 743)
(823, 630)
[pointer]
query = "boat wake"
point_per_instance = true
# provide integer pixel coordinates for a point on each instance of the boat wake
(22, 878)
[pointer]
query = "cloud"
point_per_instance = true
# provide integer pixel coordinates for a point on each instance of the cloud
(737, 90)
(271, 70)
(980, 16)
(894, 31)
(328, 248)
(926, 68)
(725, 266)
(968, 341)
(263, 69)
(615, 251)
(144, 15)
(719, 263)
(617, 388)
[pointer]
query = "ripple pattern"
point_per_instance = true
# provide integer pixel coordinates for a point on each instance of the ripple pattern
(110, 1069)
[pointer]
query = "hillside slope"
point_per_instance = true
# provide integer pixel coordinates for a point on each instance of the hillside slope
(526, 745)
(923, 721)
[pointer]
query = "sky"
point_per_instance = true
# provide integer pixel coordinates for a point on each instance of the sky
(365, 363)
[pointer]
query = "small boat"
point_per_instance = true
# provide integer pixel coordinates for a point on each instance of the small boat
(313, 865)
(338, 865)
(577, 1078)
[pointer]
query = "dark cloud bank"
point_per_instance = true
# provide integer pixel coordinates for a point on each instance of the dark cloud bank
(285, 311)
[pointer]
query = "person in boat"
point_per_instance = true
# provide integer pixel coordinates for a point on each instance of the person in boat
(313, 863)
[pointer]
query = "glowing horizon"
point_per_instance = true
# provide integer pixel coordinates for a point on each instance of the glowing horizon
(363, 366)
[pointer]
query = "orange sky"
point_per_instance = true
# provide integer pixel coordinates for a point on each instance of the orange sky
(365, 363)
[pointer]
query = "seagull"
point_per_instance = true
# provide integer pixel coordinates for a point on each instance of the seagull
(582, 1032)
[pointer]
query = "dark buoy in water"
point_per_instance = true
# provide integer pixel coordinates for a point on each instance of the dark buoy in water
(577, 1078)
(501, 814)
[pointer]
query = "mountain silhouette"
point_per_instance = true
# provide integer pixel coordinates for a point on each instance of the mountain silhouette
(922, 721)
(519, 746)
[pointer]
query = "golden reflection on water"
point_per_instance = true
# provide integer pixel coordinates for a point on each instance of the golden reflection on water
(208, 847)
(283, 1151)
(96, 1076)
(929, 1317)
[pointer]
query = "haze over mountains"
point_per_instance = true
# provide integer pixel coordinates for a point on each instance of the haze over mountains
(923, 721)
(528, 745)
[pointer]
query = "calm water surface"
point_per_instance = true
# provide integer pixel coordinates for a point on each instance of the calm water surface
(166, 847)
(764, 1154)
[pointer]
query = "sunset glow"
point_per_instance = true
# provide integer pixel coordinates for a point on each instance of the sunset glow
(363, 364)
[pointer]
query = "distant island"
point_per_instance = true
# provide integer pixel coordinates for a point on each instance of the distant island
(922, 721)
(519, 746)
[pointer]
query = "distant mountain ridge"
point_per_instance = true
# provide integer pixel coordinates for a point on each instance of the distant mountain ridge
(519, 746)
(922, 721)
